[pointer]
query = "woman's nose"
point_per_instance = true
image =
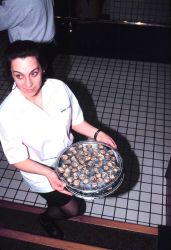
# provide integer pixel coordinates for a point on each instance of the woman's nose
(28, 82)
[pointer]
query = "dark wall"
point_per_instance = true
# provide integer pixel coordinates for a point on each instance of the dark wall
(115, 40)
(156, 12)
(97, 27)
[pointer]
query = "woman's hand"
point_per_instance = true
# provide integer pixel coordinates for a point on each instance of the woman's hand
(103, 137)
(56, 183)
(31, 166)
(88, 130)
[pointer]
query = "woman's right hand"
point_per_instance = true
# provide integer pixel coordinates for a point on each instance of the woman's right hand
(31, 166)
(56, 183)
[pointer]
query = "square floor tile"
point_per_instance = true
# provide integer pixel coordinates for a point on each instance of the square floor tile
(120, 213)
(132, 215)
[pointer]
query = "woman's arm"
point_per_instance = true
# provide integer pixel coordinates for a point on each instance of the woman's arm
(88, 130)
(33, 167)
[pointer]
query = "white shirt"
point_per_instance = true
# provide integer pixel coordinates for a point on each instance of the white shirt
(28, 20)
(27, 131)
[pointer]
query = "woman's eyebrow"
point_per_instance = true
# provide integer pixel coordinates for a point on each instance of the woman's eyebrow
(37, 68)
(15, 71)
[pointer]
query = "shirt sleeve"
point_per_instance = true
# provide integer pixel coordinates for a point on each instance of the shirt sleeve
(14, 150)
(11, 14)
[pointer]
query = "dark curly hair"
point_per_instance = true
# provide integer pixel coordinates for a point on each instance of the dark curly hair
(23, 49)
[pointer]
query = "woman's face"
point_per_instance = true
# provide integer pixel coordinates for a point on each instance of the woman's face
(27, 74)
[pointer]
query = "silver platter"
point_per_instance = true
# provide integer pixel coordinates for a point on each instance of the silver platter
(90, 169)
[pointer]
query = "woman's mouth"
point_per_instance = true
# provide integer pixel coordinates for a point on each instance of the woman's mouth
(29, 90)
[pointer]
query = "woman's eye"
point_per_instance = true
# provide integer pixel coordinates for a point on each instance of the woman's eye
(34, 73)
(18, 76)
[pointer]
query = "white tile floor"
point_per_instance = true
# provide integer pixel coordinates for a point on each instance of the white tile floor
(131, 100)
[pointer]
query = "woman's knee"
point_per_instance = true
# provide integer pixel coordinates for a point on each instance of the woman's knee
(74, 207)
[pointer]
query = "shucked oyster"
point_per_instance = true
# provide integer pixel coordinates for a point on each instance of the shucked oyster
(86, 166)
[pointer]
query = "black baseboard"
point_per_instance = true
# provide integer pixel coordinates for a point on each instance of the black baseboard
(164, 241)
(130, 42)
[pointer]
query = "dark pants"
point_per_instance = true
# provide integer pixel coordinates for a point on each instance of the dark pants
(58, 200)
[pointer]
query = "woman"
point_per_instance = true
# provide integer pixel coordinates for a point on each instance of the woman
(36, 120)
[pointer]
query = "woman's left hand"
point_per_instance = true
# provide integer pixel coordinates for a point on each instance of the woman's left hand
(89, 131)
(103, 137)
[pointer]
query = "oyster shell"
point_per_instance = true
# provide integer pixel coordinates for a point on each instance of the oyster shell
(88, 166)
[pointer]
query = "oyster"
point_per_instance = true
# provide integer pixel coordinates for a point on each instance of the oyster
(88, 166)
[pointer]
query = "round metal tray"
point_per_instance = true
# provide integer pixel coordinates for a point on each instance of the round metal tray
(90, 169)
